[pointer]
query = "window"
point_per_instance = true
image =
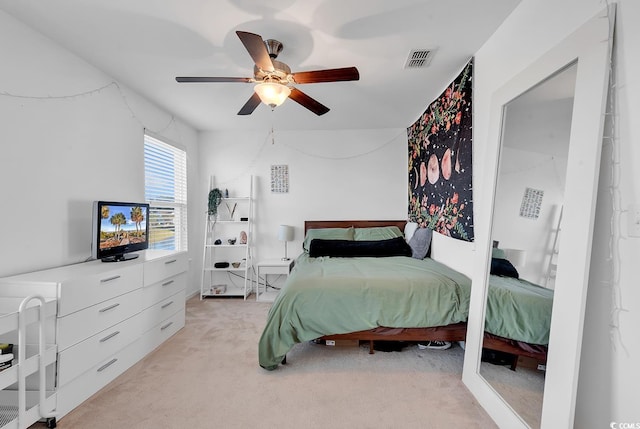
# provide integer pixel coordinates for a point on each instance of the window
(165, 185)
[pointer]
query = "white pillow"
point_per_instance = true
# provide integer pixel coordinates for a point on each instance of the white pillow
(409, 230)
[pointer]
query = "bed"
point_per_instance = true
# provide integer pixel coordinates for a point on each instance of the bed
(518, 318)
(400, 298)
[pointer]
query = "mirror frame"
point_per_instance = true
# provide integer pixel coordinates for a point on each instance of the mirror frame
(590, 47)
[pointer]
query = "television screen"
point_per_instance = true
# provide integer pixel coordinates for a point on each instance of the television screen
(118, 229)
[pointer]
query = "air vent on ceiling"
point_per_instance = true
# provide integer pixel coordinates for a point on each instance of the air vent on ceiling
(419, 58)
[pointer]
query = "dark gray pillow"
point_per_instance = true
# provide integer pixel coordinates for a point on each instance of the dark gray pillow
(504, 268)
(420, 243)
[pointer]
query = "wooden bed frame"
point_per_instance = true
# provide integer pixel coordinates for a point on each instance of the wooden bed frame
(315, 224)
(455, 332)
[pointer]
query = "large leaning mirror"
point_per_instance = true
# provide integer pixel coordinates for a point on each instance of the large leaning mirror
(525, 235)
(543, 186)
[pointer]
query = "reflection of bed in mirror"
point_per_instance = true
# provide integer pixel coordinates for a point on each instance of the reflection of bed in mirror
(518, 318)
(362, 298)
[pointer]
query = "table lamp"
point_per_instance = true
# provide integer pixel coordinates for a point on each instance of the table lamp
(517, 257)
(285, 233)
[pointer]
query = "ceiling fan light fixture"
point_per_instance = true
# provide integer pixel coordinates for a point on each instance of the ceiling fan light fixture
(271, 93)
(273, 79)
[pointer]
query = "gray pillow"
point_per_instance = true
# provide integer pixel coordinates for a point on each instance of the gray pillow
(420, 243)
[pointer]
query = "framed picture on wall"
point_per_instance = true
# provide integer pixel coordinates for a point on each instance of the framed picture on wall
(279, 179)
(531, 203)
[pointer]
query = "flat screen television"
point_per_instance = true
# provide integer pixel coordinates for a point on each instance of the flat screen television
(119, 229)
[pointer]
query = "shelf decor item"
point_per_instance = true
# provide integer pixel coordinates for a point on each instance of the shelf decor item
(232, 211)
(215, 198)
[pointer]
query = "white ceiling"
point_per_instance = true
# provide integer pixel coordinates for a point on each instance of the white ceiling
(145, 44)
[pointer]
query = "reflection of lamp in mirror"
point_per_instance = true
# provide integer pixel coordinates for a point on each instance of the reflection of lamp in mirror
(285, 233)
(517, 257)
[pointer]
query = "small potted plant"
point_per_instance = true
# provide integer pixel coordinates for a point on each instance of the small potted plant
(215, 198)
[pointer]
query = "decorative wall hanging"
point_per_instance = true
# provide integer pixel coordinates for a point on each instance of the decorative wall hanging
(531, 203)
(279, 179)
(440, 162)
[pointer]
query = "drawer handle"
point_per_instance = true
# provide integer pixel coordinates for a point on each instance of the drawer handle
(108, 279)
(170, 262)
(167, 283)
(167, 304)
(166, 326)
(111, 307)
(107, 365)
(108, 337)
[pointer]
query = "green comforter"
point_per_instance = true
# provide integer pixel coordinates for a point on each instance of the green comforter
(519, 310)
(324, 296)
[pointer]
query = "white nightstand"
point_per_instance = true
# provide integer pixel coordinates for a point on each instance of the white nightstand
(270, 266)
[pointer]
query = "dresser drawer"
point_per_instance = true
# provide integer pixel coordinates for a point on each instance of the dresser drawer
(79, 389)
(163, 330)
(75, 327)
(82, 356)
(79, 292)
(160, 269)
(163, 310)
(156, 292)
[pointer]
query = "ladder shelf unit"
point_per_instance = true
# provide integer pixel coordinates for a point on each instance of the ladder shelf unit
(227, 262)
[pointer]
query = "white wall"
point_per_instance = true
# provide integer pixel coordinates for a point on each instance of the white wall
(534, 155)
(70, 136)
(337, 175)
(350, 174)
(609, 371)
(521, 170)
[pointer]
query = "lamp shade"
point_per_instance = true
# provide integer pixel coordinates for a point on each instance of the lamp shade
(285, 233)
(517, 257)
(272, 93)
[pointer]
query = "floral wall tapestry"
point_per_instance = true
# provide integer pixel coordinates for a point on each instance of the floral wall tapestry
(440, 152)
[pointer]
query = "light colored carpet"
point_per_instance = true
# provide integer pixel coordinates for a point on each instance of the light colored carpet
(522, 389)
(207, 376)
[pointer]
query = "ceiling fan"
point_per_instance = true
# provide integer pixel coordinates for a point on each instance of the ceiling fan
(274, 79)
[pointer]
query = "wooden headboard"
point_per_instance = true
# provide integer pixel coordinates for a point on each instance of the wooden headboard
(315, 224)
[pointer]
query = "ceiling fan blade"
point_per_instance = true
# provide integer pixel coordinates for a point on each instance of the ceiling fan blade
(250, 105)
(328, 75)
(257, 49)
(308, 102)
(212, 79)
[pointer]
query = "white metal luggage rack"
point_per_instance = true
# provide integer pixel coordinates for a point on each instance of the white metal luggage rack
(22, 407)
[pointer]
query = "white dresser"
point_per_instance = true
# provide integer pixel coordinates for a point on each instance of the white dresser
(109, 316)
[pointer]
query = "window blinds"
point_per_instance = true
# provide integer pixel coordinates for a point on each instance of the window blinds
(165, 180)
